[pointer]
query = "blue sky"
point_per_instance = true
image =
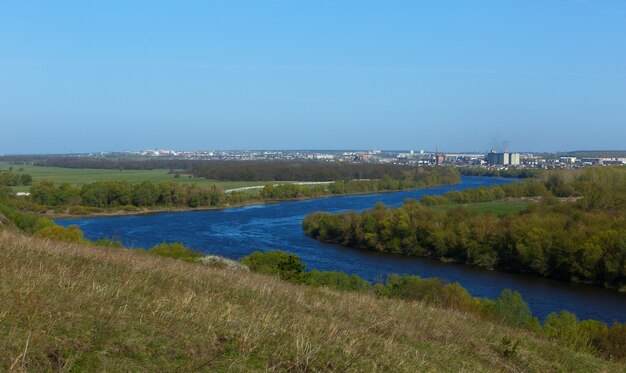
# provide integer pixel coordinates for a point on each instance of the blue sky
(80, 76)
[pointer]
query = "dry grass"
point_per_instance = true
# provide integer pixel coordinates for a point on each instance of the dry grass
(79, 308)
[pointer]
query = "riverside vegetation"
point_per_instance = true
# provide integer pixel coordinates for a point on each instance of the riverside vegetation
(65, 307)
(580, 237)
(123, 196)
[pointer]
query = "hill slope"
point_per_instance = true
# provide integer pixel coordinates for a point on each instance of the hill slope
(74, 307)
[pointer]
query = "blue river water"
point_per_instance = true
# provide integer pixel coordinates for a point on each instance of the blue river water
(236, 232)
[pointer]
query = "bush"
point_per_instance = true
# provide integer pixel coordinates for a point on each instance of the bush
(83, 210)
(221, 262)
(26, 222)
(430, 290)
(614, 344)
(564, 327)
(275, 263)
(511, 308)
(5, 192)
(335, 280)
(176, 251)
(59, 233)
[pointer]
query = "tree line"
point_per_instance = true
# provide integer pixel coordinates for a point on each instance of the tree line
(121, 194)
(527, 188)
(10, 178)
(313, 171)
(112, 194)
(102, 163)
(431, 177)
(521, 173)
(593, 188)
(583, 241)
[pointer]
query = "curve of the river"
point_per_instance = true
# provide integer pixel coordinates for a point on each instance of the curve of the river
(237, 232)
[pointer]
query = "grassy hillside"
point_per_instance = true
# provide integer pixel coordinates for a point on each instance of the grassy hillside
(67, 307)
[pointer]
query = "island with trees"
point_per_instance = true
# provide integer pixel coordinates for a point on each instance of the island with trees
(575, 230)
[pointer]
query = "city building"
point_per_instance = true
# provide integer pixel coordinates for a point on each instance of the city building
(502, 159)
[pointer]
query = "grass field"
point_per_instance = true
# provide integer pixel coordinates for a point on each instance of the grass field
(496, 207)
(67, 307)
(78, 177)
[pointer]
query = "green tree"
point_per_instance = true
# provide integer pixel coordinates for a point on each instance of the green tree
(145, 194)
(511, 308)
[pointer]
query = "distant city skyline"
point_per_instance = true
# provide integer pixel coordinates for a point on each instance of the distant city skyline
(164, 152)
(528, 75)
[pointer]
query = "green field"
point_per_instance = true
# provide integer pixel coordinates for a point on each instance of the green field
(78, 177)
(495, 207)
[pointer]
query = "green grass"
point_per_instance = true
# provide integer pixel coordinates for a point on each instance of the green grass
(495, 207)
(78, 177)
(71, 307)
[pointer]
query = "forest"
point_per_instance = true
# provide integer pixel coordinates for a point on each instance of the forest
(315, 171)
(579, 237)
(101, 163)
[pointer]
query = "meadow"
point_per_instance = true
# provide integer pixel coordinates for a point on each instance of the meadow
(78, 177)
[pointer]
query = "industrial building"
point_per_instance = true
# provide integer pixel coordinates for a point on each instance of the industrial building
(440, 158)
(502, 159)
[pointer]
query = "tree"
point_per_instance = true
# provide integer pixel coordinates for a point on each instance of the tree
(511, 308)
(26, 179)
(145, 194)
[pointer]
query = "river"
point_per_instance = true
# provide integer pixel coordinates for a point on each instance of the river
(237, 232)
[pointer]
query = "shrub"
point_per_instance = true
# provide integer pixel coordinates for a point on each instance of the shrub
(508, 347)
(221, 262)
(5, 192)
(511, 308)
(176, 251)
(335, 280)
(564, 327)
(59, 233)
(26, 222)
(430, 290)
(275, 263)
(614, 345)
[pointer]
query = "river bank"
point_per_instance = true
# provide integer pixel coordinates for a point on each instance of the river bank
(138, 211)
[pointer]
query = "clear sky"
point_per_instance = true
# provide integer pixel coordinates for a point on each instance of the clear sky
(80, 76)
